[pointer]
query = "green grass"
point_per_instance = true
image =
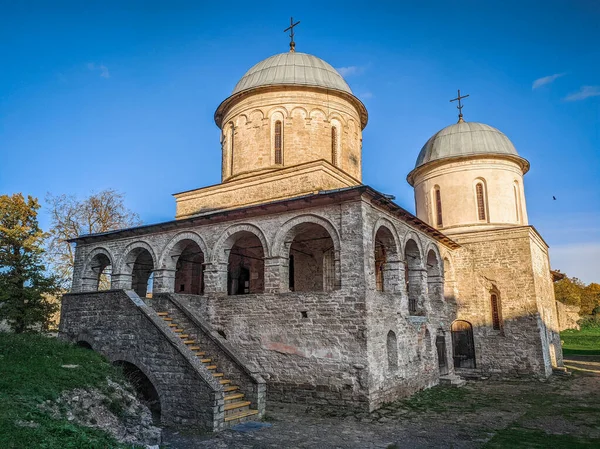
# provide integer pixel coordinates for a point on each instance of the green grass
(30, 373)
(583, 342)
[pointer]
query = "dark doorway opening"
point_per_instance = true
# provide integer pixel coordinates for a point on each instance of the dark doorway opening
(463, 346)
(85, 345)
(144, 388)
(440, 344)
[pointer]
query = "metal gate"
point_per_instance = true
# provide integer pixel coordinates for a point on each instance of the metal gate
(463, 347)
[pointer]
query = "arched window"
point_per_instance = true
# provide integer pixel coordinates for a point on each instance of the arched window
(278, 144)
(334, 155)
(517, 202)
(480, 192)
(438, 207)
(496, 315)
(231, 134)
(392, 351)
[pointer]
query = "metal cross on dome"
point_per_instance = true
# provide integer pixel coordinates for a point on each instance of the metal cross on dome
(460, 106)
(291, 30)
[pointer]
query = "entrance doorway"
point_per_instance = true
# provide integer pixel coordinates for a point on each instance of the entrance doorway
(440, 344)
(463, 346)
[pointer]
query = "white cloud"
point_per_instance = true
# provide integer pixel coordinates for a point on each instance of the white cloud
(578, 260)
(546, 80)
(366, 95)
(350, 70)
(104, 73)
(583, 93)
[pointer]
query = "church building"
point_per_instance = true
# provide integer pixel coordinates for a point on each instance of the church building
(293, 281)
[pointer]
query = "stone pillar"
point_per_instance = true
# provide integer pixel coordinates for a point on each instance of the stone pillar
(87, 284)
(121, 281)
(391, 276)
(215, 277)
(435, 292)
(164, 281)
(276, 275)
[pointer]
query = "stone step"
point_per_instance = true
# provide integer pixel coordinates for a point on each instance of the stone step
(230, 388)
(167, 319)
(218, 374)
(560, 371)
(452, 381)
(225, 382)
(189, 342)
(199, 353)
(240, 415)
(206, 360)
(172, 325)
(184, 335)
(178, 331)
(163, 313)
(235, 405)
(211, 367)
(234, 396)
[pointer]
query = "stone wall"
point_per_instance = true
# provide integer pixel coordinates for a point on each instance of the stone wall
(120, 326)
(568, 316)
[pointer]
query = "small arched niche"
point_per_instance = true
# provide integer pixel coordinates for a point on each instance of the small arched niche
(392, 351)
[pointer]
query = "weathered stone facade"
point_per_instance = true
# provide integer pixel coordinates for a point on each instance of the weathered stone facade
(293, 271)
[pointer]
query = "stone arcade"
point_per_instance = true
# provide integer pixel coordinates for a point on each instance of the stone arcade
(293, 281)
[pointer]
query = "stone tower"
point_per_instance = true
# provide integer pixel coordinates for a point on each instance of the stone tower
(468, 182)
(291, 126)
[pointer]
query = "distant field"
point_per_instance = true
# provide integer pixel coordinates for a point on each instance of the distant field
(583, 342)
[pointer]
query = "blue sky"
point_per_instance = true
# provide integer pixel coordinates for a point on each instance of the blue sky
(97, 95)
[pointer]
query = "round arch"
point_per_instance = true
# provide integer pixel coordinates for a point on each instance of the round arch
(227, 240)
(287, 228)
(95, 264)
(165, 258)
(130, 253)
(386, 256)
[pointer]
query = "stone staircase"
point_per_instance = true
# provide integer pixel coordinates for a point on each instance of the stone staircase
(237, 408)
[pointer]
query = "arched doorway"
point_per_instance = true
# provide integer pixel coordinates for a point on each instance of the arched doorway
(189, 268)
(463, 346)
(246, 265)
(311, 258)
(140, 264)
(412, 274)
(97, 275)
(386, 257)
(143, 386)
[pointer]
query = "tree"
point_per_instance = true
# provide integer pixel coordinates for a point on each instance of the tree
(71, 217)
(26, 290)
(568, 291)
(590, 299)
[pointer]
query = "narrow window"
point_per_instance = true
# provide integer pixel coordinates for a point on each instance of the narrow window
(438, 207)
(515, 188)
(278, 152)
(334, 157)
(496, 324)
(392, 351)
(480, 201)
(231, 153)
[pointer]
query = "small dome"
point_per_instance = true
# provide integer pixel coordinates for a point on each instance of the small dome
(465, 139)
(293, 69)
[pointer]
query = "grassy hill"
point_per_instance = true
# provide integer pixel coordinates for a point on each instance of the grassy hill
(32, 372)
(581, 342)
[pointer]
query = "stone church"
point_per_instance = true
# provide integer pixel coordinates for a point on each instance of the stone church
(293, 281)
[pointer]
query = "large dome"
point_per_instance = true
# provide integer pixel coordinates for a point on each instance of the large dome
(465, 139)
(294, 69)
